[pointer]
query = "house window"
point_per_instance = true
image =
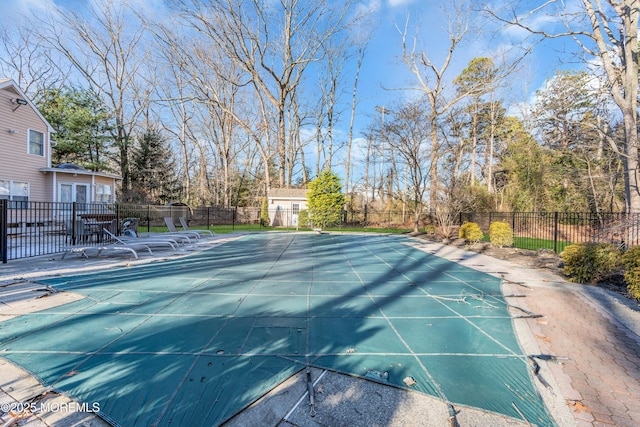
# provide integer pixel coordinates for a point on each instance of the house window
(15, 191)
(66, 193)
(36, 143)
(103, 193)
(70, 192)
(295, 208)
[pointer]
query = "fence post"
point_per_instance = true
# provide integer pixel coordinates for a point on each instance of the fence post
(73, 223)
(4, 213)
(555, 232)
(118, 222)
(148, 218)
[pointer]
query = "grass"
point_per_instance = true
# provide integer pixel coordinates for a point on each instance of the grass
(532, 243)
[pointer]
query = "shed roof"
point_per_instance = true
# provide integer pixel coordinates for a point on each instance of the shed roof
(288, 193)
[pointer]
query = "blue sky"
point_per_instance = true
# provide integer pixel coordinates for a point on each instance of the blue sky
(383, 67)
(383, 73)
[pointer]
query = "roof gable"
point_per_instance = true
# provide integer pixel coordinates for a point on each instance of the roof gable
(9, 84)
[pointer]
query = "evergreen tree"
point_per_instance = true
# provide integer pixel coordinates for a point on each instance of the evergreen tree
(325, 199)
(82, 127)
(264, 213)
(524, 164)
(153, 173)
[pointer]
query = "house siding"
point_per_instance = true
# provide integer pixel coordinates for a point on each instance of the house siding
(92, 181)
(15, 161)
(16, 164)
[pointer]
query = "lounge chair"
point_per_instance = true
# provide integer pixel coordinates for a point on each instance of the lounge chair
(185, 227)
(82, 250)
(172, 229)
(177, 236)
(148, 241)
(131, 248)
(180, 238)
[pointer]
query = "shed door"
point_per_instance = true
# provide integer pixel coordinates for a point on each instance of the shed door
(295, 209)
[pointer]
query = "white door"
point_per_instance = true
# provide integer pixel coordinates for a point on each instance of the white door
(295, 210)
(72, 192)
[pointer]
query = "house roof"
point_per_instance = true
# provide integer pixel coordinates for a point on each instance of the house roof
(9, 83)
(288, 193)
(79, 172)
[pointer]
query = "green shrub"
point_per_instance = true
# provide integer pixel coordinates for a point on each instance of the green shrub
(265, 221)
(303, 218)
(500, 234)
(590, 262)
(471, 232)
(430, 229)
(631, 262)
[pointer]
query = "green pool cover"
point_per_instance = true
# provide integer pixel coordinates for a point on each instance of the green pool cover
(193, 341)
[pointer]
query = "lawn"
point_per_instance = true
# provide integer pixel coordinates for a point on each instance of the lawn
(535, 244)
(532, 243)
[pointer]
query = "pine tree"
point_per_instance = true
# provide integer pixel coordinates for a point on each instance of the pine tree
(325, 199)
(153, 178)
(82, 127)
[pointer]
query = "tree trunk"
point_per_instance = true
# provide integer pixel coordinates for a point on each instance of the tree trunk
(630, 161)
(435, 158)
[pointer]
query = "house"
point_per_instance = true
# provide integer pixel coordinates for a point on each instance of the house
(285, 204)
(26, 172)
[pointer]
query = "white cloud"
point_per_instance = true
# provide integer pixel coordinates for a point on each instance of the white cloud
(14, 10)
(368, 7)
(397, 3)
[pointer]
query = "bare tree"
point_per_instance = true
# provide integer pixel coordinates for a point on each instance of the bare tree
(408, 133)
(327, 110)
(354, 103)
(105, 46)
(606, 30)
(206, 92)
(273, 44)
(28, 61)
(175, 94)
(455, 143)
(432, 81)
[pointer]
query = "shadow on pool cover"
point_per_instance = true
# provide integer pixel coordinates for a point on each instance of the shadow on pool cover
(193, 341)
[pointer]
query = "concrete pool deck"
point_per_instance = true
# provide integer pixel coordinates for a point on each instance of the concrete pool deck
(595, 335)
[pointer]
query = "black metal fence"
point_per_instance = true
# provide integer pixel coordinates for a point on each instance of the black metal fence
(40, 228)
(555, 230)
